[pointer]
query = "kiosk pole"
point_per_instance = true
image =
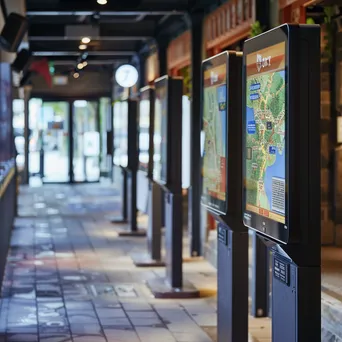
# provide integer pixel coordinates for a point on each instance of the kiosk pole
(260, 278)
(168, 173)
(232, 280)
(194, 215)
(221, 189)
(155, 198)
(130, 175)
(281, 168)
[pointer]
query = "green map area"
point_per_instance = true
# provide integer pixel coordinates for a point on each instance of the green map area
(265, 141)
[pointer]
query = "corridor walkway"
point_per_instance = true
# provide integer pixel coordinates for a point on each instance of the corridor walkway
(70, 277)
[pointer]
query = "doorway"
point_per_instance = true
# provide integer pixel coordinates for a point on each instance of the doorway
(64, 140)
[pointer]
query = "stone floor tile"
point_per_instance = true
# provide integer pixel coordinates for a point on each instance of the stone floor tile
(54, 338)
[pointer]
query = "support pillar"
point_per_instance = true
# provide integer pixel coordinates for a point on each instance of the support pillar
(194, 205)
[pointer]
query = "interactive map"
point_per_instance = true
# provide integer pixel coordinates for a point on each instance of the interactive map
(265, 128)
(215, 132)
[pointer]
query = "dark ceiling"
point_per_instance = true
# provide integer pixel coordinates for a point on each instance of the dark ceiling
(124, 27)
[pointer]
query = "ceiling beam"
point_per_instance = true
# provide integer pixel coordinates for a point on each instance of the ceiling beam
(101, 38)
(138, 29)
(102, 13)
(77, 53)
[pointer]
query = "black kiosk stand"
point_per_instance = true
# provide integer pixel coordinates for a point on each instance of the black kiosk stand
(221, 189)
(167, 173)
(147, 188)
(281, 168)
(128, 162)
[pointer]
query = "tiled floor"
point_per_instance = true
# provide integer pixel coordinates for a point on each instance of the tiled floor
(71, 278)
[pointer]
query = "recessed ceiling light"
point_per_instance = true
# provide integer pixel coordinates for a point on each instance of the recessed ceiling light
(85, 63)
(101, 2)
(76, 75)
(80, 66)
(82, 47)
(86, 40)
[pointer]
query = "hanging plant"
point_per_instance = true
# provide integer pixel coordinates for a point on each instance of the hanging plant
(256, 29)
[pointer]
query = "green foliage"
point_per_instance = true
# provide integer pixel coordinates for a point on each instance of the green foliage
(256, 29)
(187, 81)
(329, 12)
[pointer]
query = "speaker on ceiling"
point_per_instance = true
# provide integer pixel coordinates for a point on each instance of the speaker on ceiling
(22, 60)
(13, 32)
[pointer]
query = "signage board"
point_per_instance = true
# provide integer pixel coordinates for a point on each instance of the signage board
(214, 116)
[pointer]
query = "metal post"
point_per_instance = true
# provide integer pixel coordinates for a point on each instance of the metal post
(232, 296)
(194, 201)
(260, 278)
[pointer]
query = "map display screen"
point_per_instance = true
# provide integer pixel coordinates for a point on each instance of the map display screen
(144, 128)
(214, 160)
(160, 132)
(265, 118)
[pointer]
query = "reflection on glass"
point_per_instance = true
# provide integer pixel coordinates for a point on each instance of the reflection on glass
(117, 132)
(144, 136)
(124, 134)
(160, 133)
(186, 133)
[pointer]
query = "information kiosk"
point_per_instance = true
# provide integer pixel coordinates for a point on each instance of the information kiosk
(126, 158)
(281, 170)
(167, 172)
(149, 194)
(221, 188)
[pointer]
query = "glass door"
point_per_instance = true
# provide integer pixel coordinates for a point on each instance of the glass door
(86, 141)
(53, 142)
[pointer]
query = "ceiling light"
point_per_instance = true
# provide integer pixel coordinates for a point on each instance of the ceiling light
(80, 66)
(86, 40)
(101, 2)
(85, 63)
(82, 47)
(76, 75)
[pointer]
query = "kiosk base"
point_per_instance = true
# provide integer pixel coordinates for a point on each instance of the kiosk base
(163, 290)
(144, 260)
(133, 233)
(232, 285)
(296, 301)
(118, 220)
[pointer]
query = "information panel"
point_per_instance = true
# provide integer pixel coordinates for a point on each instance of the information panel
(265, 137)
(214, 111)
(144, 130)
(160, 132)
(124, 134)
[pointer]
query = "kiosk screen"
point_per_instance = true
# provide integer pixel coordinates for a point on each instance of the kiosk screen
(160, 133)
(144, 127)
(117, 132)
(215, 133)
(124, 134)
(265, 117)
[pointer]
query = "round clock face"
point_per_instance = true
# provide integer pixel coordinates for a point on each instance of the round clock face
(126, 76)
